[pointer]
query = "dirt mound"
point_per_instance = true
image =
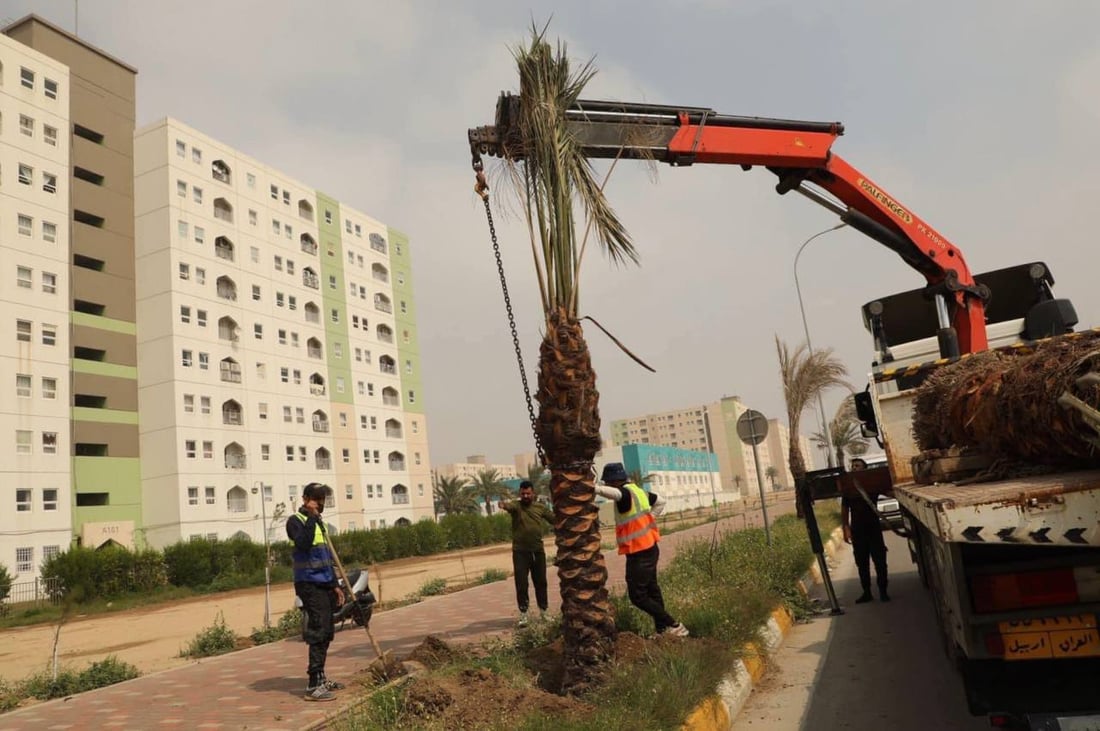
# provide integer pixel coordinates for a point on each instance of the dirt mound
(478, 698)
(548, 666)
(433, 652)
(629, 648)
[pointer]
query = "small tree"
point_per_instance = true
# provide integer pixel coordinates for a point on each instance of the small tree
(5, 582)
(453, 496)
(489, 487)
(772, 473)
(844, 433)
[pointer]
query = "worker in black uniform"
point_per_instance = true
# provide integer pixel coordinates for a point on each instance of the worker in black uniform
(862, 529)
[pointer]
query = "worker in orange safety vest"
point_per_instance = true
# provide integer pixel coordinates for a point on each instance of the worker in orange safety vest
(637, 536)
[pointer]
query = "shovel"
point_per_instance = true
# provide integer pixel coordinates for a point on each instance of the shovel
(382, 664)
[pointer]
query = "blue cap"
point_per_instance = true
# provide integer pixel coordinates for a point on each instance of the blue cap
(614, 472)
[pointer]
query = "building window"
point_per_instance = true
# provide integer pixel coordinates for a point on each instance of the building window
(204, 404)
(49, 231)
(49, 282)
(23, 441)
(196, 194)
(208, 450)
(49, 182)
(204, 361)
(185, 271)
(185, 314)
(23, 330)
(181, 148)
(50, 87)
(200, 317)
(196, 155)
(209, 495)
(185, 358)
(193, 495)
(189, 448)
(24, 277)
(256, 292)
(49, 134)
(26, 174)
(335, 315)
(265, 452)
(24, 555)
(252, 219)
(23, 385)
(288, 414)
(258, 331)
(49, 442)
(200, 275)
(188, 403)
(416, 426)
(251, 179)
(181, 229)
(286, 197)
(49, 335)
(26, 125)
(49, 388)
(412, 397)
(200, 235)
(290, 453)
(26, 225)
(181, 189)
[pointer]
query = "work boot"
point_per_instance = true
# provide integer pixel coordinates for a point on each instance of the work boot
(865, 597)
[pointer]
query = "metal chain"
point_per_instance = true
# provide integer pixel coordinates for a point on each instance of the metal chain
(483, 191)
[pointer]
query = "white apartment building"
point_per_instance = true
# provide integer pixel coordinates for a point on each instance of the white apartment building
(475, 465)
(277, 346)
(36, 520)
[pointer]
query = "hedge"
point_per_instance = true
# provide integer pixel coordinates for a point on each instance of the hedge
(211, 565)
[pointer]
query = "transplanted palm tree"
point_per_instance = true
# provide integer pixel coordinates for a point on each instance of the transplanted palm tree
(844, 434)
(489, 487)
(550, 173)
(805, 374)
(452, 496)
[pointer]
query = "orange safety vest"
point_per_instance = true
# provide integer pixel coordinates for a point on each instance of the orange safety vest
(636, 530)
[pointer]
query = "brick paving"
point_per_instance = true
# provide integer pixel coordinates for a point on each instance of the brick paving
(261, 688)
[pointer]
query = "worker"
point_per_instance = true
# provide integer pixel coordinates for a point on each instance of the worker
(530, 521)
(315, 584)
(863, 530)
(637, 536)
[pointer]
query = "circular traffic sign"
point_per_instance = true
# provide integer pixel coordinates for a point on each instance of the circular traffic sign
(752, 427)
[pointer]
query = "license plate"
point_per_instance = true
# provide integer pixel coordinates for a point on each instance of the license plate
(1051, 637)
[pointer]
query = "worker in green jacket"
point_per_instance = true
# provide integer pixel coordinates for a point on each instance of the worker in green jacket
(530, 522)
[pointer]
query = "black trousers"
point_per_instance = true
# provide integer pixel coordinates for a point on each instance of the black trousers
(868, 545)
(642, 587)
(319, 604)
(533, 563)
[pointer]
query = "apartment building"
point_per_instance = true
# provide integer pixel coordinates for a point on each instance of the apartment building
(36, 519)
(277, 345)
(684, 478)
(476, 464)
(713, 428)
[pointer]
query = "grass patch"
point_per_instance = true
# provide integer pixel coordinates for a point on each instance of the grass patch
(217, 639)
(723, 587)
(44, 686)
(491, 576)
(433, 587)
(289, 625)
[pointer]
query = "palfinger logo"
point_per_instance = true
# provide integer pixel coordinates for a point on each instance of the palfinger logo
(892, 205)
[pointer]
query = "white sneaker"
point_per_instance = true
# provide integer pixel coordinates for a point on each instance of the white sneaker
(522, 622)
(677, 630)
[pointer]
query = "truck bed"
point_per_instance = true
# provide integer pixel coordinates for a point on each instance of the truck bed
(1056, 509)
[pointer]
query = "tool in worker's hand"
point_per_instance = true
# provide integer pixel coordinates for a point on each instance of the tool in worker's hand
(383, 666)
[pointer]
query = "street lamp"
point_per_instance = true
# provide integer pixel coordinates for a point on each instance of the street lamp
(809, 345)
(267, 554)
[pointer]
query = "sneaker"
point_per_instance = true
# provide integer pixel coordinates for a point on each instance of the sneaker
(676, 630)
(319, 693)
(333, 684)
(864, 598)
(522, 621)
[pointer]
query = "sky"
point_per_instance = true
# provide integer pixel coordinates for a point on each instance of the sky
(980, 117)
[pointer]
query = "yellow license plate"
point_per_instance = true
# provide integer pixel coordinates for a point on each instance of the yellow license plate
(1051, 637)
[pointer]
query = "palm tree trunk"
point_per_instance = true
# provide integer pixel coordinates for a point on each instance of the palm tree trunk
(569, 430)
(794, 457)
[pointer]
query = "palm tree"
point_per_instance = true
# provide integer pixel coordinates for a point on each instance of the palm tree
(772, 473)
(549, 171)
(452, 496)
(488, 487)
(805, 375)
(844, 433)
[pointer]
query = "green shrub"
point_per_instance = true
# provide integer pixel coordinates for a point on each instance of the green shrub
(106, 573)
(432, 587)
(100, 674)
(289, 625)
(5, 582)
(538, 633)
(217, 639)
(491, 576)
(628, 618)
(10, 696)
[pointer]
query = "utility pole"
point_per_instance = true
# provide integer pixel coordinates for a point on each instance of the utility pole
(267, 554)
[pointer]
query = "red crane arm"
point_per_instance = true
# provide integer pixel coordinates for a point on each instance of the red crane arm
(798, 152)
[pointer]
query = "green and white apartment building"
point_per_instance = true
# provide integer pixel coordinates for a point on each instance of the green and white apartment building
(186, 328)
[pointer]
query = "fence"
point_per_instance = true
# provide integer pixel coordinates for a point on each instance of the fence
(37, 592)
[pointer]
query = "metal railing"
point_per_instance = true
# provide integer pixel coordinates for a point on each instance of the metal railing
(38, 592)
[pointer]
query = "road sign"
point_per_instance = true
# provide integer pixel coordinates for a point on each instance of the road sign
(752, 427)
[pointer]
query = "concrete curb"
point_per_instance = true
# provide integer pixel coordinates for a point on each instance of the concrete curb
(718, 712)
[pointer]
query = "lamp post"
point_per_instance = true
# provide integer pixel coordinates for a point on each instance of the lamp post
(267, 554)
(809, 345)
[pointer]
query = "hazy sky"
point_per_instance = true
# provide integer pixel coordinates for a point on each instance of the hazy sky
(980, 116)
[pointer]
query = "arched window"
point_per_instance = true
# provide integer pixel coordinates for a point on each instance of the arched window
(400, 495)
(234, 456)
(305, 210)
(223, 211)
(220, 171)
(237, 500)
(232, 414)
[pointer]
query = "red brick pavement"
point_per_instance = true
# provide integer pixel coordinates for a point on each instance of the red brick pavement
(261, 688)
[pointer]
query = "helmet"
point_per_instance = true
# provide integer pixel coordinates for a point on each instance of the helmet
(614, 472)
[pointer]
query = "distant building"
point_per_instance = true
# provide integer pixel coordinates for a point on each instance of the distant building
(685, 478)
(475, 465)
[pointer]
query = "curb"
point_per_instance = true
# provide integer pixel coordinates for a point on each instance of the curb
(718, 712)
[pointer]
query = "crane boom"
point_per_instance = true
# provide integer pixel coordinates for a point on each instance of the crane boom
(798, 152)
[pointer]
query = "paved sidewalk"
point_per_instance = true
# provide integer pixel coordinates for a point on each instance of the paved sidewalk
(262, 687)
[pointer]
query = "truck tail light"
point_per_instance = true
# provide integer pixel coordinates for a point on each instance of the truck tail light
(1004, 592)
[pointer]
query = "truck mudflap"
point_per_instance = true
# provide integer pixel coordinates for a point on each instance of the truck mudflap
(1061, 509)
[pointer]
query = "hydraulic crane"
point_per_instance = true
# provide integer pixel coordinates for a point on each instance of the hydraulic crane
(800, 154)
